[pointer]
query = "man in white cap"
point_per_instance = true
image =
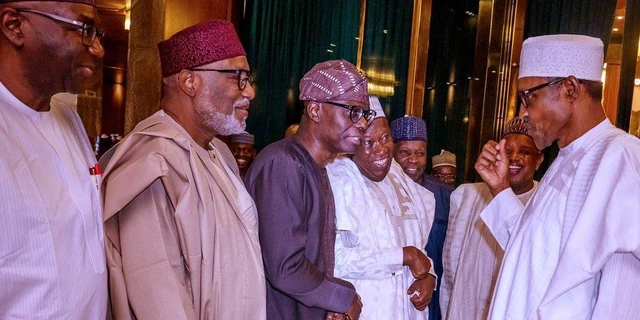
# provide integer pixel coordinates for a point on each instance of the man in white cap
(444, 167)
(383, 222)
(472, 257)
(573, 252)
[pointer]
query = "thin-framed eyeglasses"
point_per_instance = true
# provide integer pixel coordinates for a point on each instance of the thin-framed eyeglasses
(89, 32)
(242, 80)
(356, 113)
(524, 94)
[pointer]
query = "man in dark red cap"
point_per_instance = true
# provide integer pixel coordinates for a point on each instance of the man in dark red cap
(182, 235)
(289, 183)
(52, 262)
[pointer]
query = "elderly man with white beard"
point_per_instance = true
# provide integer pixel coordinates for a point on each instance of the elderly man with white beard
(182, 237)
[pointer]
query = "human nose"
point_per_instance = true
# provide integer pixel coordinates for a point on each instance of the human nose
(362, 124)
(248, 91)
(96, 49)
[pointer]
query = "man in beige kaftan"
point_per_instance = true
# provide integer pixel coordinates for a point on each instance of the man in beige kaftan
(182, 239)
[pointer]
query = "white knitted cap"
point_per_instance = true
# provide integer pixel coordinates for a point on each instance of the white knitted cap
(374, 104)
(562, 55)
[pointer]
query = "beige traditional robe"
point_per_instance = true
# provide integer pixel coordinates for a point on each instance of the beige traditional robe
(181, 229)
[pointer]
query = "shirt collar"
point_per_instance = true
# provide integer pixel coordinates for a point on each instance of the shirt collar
(588, 137)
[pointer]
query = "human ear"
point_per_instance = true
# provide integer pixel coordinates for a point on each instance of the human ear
(11, 26)
(188, 82)
(573, 88)
(313, 111)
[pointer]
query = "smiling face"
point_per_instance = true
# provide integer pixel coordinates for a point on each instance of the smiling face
(244, 154)
(412, 157)
(220, 106)
(373, 156)
(343, 134)
(524, 158)
(56, 58)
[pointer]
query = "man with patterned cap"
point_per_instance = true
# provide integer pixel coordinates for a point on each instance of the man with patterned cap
(243, 149)
(443, 167)
(182, 231)
(472, 257)
(289, 183)
(573, 251)
(52, 262)
(383, 220)
(410, 151)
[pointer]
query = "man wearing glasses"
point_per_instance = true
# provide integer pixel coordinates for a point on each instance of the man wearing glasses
(573, 252)
(182, 235)
(52, 262)
(289, 182)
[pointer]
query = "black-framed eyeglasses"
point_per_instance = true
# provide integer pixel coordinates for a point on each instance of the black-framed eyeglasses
(524, 94)
(89, 32)
(244, 76)
(356, 113)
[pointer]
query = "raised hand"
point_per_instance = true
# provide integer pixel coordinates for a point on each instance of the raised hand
(493, 166)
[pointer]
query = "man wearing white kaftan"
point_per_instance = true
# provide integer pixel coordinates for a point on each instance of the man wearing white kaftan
(573, 252)
(471, 256)
(375, 221)
(52, 263)
(182, 239)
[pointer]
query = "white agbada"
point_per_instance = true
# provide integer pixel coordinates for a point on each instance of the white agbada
(375, 220)
(471, 256)
(574, 251)
(52, 263)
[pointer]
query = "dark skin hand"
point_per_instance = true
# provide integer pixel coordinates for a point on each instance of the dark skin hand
(417, 262)
(352, 314)
(423, 289)
(493, 166)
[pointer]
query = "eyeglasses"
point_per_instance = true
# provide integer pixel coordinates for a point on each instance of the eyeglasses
(442, 176)
(356, 113)
(524, 94)
(242, 81)
(89, 32)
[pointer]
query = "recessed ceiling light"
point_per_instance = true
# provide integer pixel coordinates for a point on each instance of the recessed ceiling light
(616, 29)
(619, 17)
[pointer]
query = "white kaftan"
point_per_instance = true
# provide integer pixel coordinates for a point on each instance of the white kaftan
(375, 220)
(52, 260)
(574, 251)
(471, 255)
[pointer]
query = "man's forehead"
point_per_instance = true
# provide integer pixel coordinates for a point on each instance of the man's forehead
(520, 140)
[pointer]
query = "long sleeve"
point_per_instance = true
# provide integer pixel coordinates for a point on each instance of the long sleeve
(286, 203)
(451, 251)
(501, 216)
(146, 269)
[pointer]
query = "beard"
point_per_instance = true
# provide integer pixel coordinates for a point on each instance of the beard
(218, 122)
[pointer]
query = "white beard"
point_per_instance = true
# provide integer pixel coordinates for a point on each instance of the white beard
(223, 124)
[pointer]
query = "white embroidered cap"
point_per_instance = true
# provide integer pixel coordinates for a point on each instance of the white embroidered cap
(374, 104)
(562, 55)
